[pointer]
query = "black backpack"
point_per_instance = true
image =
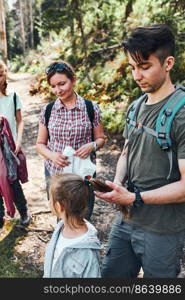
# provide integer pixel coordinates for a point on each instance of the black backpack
(89, 107)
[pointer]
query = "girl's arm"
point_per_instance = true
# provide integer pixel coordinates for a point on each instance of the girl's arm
(20, 127)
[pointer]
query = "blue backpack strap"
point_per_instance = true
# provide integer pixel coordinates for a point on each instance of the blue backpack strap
(133, 112)
(166, 116)
(164, 122)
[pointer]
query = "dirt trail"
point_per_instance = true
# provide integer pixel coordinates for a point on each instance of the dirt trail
(34, 189)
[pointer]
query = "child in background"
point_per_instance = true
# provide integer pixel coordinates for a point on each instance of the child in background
(73, 251)
(14, 116)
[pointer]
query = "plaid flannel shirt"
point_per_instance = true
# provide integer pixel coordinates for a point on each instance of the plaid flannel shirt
(68, 127)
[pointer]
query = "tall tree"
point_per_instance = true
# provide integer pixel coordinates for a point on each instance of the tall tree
(3, 40)
(31, 24)
(22, 26)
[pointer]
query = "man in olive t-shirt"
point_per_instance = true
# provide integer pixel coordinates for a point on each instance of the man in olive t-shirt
(153, 235)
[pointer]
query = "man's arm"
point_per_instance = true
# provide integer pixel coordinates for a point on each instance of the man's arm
(170, 193)
(121, 168)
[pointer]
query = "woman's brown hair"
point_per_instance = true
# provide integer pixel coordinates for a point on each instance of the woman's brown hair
(3, 69)
(72, 193)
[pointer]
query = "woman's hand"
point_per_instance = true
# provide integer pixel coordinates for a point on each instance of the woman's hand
(84, 151)
(59, 159)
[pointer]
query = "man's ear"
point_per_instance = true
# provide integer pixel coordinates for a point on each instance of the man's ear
(169, 63)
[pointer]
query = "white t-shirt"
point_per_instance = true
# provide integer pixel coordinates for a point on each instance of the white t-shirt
(7, 109)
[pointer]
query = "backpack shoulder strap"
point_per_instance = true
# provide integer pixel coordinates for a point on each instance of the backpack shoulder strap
(90, 110)
(47, 115)
(165, 120)
(133, 111)
(166, 116)
(48, 112)
(15, 103)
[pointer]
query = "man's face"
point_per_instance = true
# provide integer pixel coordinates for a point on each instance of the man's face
(149, 74)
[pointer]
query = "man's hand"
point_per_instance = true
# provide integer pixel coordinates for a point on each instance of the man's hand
(119, 195)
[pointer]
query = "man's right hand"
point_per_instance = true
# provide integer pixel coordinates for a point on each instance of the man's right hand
(119, 195)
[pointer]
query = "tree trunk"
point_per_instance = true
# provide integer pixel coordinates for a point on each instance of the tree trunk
(79, 19)
(31, 24)
(3, 40)
(22, 27)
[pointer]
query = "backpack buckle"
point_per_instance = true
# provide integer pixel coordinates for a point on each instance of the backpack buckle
(165, 146)
(161, 135)
(168, 112)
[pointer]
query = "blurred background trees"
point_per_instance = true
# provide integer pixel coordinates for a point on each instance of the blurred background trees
(88, 34)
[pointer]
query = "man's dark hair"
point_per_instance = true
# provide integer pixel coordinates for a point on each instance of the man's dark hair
(156, 39)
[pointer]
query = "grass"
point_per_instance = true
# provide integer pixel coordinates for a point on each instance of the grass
(13, 264)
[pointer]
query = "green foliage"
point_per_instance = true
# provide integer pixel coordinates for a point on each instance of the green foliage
(113, 116)
(88, 33)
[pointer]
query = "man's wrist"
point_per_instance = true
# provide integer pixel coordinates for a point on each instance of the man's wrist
(138, 201)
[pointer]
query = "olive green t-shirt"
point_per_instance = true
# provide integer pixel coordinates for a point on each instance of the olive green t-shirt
(149, 169)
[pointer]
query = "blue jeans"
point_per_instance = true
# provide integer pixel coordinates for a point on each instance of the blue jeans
(131, 248)
(91, 195)
(19, 199)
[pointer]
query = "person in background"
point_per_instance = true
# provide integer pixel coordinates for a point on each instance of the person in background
(153, 235)
(69, 125)
(73, 251)
(7, 109)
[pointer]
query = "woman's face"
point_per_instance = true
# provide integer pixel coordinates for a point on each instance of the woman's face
(62, 86)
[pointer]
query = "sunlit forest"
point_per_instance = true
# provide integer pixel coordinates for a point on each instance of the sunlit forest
(88, 34)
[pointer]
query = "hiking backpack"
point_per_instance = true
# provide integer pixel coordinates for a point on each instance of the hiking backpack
(164, 120)
(90, 112)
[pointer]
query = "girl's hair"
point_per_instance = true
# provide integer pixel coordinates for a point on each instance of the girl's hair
(70, 191)
(60, 67)
(3, 68)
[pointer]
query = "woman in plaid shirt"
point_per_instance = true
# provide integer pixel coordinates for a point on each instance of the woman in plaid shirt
(69, 124)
